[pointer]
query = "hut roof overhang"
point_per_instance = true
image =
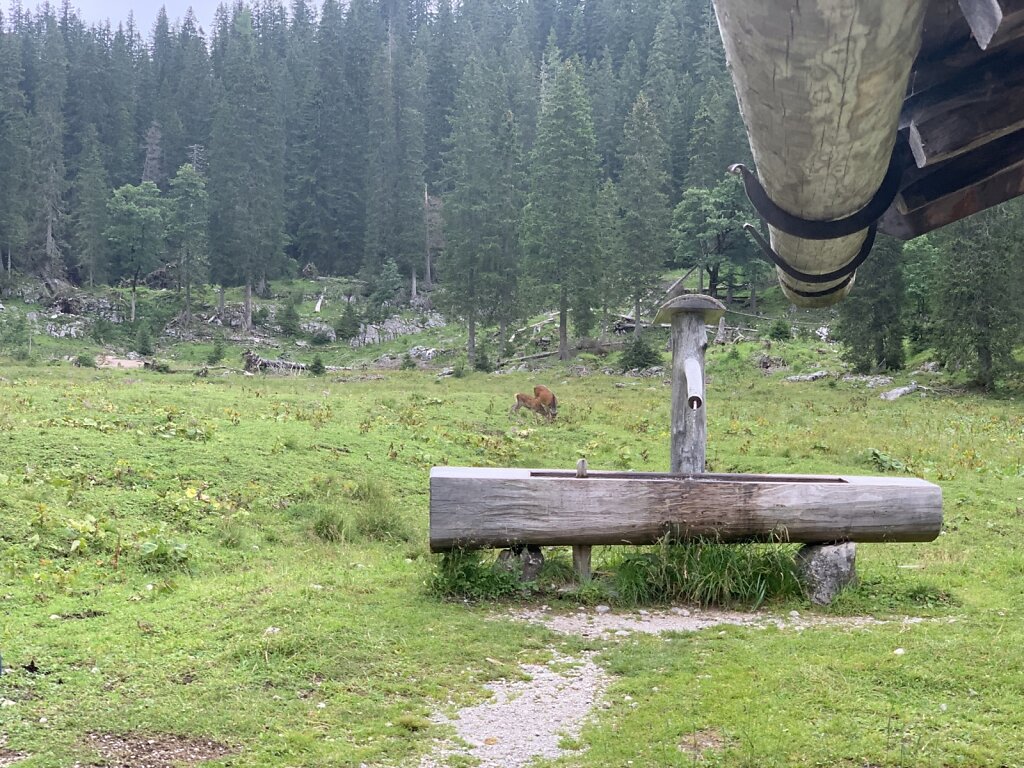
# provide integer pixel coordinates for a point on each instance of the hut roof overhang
(912, 109)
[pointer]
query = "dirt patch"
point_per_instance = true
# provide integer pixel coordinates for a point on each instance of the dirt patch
(525, 719)
(698, 742)
(160, 750)
(109, 361)
(10, 757)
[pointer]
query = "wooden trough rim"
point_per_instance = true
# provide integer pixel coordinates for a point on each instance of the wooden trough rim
(517, 473)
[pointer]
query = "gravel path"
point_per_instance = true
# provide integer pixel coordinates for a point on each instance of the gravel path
(525, 719)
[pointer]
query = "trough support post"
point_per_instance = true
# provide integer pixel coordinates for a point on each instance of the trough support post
(689, 315)
(581, 552)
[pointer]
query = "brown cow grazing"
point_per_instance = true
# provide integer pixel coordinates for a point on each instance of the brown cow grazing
(543, 402)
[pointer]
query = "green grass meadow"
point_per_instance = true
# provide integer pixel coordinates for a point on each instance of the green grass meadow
(245, 559)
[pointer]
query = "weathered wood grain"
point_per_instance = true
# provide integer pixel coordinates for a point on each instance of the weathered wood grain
(689, 431)
(483, 508)
(973, 113)
(1004, 184)
(820, 84)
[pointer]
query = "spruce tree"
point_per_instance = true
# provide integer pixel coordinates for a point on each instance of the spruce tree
(644, 199)
(320, 208)
(559, 220)
(442, 81)
(89, 217)
(246, 184)
(48, 162)
(14, 151)
(188, 220)
(870, 324)
(977, 311)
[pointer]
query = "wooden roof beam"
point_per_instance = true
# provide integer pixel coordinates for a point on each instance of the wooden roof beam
(973, 110)
(958, 189)
(939, 63)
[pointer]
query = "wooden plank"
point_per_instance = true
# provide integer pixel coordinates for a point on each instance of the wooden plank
(1002, 186)
(978, 110)
(948, 46)
(930, 185)
(476, 508)
(987, 17)
(820, 84)
(961, 85)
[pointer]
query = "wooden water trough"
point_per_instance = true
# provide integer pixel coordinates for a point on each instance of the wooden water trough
(482, 508)
(476, 508)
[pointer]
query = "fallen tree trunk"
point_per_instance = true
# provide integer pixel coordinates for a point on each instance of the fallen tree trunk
(820, 85)
(255, 364)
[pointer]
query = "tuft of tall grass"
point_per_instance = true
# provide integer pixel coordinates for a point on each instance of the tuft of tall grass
(708, 572)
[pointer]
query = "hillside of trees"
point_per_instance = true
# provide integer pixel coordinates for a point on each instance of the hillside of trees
(577, 149)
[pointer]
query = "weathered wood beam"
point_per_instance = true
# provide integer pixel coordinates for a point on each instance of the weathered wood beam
(988, 17)
(975, 108)
(958, 86)
(998, 188)
(489, 508)
(820, 84)
(925, 187)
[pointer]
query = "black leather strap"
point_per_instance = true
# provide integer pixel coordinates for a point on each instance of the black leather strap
(846, 270)
(822, 230)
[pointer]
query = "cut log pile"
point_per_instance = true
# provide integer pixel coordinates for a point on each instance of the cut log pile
(256, 364)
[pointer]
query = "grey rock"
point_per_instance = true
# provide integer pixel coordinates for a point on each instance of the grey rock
(808, 376)
(322, 330)
(825, 569)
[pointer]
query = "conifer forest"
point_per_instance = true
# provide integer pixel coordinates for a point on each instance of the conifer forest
(511, 155)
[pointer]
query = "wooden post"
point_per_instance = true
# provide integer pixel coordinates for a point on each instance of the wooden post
(689, 315)
(581, 552)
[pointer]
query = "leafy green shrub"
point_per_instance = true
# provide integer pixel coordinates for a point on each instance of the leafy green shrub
(85, 361)
(160, 552)
(459, 369)
(408, 364)
(160, 366)
(232, 533)
(14, 331)
(377, 517)
(322, 338)
(144, 341)
(462, 574)
(261, 315)
(317, 367)
(708, 573)
(780, 330)
(639, 353)
(102, 330)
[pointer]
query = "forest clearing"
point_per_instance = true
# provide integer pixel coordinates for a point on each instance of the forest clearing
(276, 290)
(242, 561)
